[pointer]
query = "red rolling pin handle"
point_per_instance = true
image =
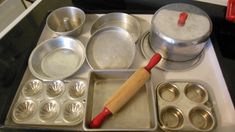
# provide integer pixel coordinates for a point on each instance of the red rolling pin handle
(97, 121)
(153, 61)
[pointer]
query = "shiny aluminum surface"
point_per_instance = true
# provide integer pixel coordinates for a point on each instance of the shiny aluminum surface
(73, 111)
(196, 93)
(54, 106)
(208, 65)
(56, 58)
(201, 119)
(139, 110)
(164, 64)
(49, 110)
(55, 88)
(76, 88)
(32, 88)
(184, 106)
(123, 20)
(179, 43)
(24, 110)
(168, 92)
(110, 48)
(171, 118)
(66, 21)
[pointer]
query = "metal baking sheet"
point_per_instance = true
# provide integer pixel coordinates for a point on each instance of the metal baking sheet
(139, 114)
(110, 48)
(207, 69)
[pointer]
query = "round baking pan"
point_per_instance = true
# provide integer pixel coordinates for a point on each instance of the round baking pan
(56, 58)
(118, 19)
(110, 48)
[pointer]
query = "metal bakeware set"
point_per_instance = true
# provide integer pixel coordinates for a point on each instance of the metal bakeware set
(69, 100)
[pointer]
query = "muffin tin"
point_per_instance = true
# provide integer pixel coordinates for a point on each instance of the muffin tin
(184, 106)
(50, 102)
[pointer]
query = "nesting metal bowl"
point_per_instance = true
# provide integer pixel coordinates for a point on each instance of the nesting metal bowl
(122, 20)
(66, 21)
(56, 58)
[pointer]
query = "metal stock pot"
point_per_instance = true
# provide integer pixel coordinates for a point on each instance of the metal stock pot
(179, 31)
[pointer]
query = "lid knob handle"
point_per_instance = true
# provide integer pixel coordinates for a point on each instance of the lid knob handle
(182, 18)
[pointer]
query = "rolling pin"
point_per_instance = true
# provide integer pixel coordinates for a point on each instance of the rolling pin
(125, 92)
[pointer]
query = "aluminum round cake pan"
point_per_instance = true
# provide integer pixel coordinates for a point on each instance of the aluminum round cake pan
(110, 48)
(56, 58)
(118, 19)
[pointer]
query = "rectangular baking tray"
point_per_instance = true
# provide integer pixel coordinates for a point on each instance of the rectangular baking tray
(139, 114)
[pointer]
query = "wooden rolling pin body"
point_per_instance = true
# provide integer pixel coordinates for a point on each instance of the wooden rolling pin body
(127, 90)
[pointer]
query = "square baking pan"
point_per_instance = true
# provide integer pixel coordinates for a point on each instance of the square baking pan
(139, 114)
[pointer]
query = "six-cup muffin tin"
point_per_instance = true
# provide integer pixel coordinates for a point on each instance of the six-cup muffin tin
(50, 102)
(184, 106)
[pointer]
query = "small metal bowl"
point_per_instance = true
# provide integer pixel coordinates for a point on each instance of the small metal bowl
(55, 89)
(49, 110)
(171, 118)
(73, 111)
(168, 92)
(122, 20)
(24, 110)
(201, 119)
(76, 88)
(196, 93)
(66, 21)
(32, 88)
(56, 58)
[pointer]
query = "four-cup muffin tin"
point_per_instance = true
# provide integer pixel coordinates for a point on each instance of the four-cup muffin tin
(50, 102)
(184, 106)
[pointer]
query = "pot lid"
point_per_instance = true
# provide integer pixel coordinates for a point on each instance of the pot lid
(182, 22)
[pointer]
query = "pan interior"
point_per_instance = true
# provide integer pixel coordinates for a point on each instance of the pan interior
(60, 62)
(110, 49)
